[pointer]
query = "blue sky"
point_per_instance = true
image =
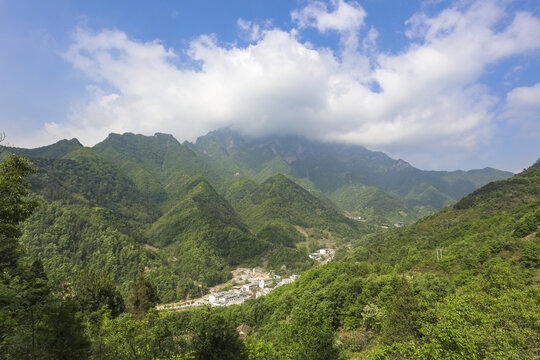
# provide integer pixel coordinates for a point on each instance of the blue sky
(441, 84)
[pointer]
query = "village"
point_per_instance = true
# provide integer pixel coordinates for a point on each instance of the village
(247, 283)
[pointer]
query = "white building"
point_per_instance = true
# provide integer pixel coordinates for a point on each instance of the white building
(250, 287)
(264, 283)
(226, 298)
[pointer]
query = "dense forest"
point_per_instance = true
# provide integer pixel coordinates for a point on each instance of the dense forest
(359, 181)
(182, 210)
(93, 239)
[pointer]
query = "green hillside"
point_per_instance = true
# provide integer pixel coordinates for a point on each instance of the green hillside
(370, 203)
(201, 217)
(462, 283)
(90, 216)
(84, 177)
(334, 169)
(280, 200)
(159, 165)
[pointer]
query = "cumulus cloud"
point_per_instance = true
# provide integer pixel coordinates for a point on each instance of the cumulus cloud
(426, 94)
(345, 17)
(253, 30)
(522, 109)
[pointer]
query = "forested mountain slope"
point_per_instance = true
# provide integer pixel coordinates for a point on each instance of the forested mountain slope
(159, 165)
(201, 236)
(90, 217)
(333, 168)
(462, 283)
(54, 151)
(93, 216)
(278, 200)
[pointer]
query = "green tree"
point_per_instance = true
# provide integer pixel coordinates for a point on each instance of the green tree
(401, 323)
(62, 334)
(215, 338)
(309, 334)
(36, 322)
(94, 290)
(142, 297)
(15, 207)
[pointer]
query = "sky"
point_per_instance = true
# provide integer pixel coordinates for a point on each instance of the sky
(443, 85)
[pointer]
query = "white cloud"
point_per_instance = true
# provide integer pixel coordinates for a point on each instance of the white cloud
(253, 30)
(522, 109)
(346, 17)
(429, 93)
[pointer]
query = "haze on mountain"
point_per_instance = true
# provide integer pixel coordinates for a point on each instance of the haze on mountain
(445, 85)
(362, 183)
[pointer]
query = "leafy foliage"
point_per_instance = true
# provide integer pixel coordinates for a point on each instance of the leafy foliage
(35, 322)
(15, 207)
(94, 291)
(459, 284)
(142, 297)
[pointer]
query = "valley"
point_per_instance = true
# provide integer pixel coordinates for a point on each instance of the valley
(131, 194)
(270, 180)
(159, 236)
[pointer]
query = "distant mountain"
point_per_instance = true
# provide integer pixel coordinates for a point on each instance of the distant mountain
(376, 204)
(331, 168)
(188, 213)
(159, 165)
(280, 200)
(53, 151)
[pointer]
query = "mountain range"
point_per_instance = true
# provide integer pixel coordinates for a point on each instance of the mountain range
(461, 282)
(359, 181)
(190, 212)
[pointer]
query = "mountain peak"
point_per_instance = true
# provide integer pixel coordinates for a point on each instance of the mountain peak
(278, 178)
(54, 151)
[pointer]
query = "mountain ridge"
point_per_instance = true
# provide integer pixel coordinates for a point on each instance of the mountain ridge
(160, 164)
(330, 166)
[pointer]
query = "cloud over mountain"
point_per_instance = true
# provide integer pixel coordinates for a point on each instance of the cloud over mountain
(428, 93)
